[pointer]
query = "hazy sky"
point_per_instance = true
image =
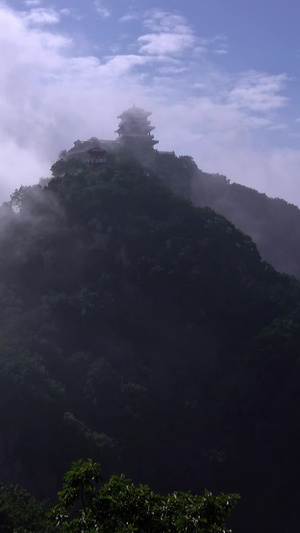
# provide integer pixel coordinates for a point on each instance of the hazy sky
(221, 77)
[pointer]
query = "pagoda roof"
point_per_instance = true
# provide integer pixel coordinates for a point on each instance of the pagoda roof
(134, 112)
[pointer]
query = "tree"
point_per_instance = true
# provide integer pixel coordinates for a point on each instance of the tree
(22, 513)
(120, 506)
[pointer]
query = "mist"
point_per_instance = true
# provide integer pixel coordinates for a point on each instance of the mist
(54, 91)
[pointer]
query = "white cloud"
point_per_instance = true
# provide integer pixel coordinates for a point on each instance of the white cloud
(31, 3)
(170, 34)
(259, 91)
(67, 12)
(165, 43)
(170, 69)
(72, 13)
(41, 16)
(221, 51)
(221, 43)
(101, 9)
(129, 17)
(116, 66)
(158, 20)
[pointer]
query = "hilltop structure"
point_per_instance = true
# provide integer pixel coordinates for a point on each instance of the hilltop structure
(135, 128)
(134, 134)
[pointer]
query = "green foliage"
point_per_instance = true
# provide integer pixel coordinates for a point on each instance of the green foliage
(273, 223)
(147, 333)
(72, 166)
(22, 513)
(121, 506)
(24, 196)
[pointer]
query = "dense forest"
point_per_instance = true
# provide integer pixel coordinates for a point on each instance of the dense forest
(149, 334)
(272, 223)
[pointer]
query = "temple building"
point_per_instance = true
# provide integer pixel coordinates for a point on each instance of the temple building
(135, 128)
(96, 157)
(134, 134)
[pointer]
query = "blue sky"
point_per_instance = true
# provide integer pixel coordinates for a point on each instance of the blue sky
(221, 78)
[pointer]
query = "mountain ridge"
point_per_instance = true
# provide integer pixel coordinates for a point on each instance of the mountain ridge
(148, 333)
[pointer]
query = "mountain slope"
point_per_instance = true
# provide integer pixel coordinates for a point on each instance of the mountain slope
(149, 334)
(272, 223)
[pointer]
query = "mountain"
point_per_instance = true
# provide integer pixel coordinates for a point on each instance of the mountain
(149, 334)
(272, 223)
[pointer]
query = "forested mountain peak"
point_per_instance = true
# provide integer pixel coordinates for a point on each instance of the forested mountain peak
(148, 333)
(272, 223)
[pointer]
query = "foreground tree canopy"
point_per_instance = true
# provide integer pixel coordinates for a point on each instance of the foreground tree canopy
(122, 507)
(147, 333)
(85, 505)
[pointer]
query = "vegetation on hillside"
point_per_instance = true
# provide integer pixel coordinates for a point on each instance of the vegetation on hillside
(272, 223)
(147, 333)
(86, 504)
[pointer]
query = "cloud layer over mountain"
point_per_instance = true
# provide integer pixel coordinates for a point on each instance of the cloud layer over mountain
(55, 87)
